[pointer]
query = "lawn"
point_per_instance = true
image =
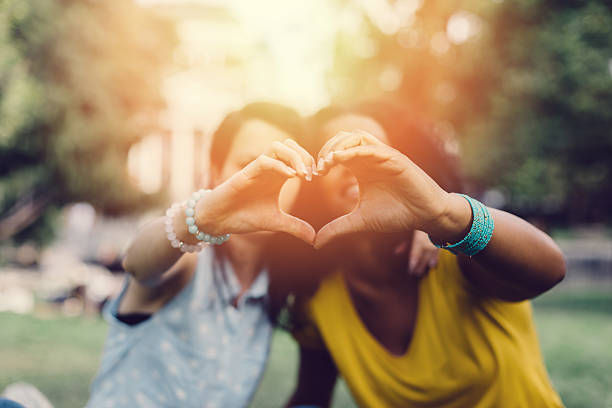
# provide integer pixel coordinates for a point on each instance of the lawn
(60, 355)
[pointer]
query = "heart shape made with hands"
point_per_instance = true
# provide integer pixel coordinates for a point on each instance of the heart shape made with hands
(376, 166)
(395, 195)
(324, 199)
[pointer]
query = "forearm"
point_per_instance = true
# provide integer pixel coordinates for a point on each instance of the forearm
(519, 255)
(150, 254)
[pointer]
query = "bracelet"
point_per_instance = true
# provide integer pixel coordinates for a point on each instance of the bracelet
(171, 235)
(193, 228)
(480, 233)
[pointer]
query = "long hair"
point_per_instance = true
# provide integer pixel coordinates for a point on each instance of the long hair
(280, 116)
(414, 136)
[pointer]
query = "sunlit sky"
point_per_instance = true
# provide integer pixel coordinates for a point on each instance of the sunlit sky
(281, 51)
(234, 52)
(231, 53)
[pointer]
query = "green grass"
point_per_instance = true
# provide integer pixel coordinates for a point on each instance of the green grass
(577, 348)
(58, 356)
(61, 355)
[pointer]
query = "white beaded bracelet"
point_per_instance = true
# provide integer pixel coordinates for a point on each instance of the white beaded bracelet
(191, 224)
(171, 235)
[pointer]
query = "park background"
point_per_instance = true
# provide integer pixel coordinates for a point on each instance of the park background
(106, 108)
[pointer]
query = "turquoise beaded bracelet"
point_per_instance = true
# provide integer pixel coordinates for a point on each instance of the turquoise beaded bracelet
(191, 224)
(175, 242)
(480, 233)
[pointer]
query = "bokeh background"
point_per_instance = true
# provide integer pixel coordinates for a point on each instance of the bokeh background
(106, 108)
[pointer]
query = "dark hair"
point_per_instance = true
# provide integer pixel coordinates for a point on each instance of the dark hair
(284, 118)
(411, 135)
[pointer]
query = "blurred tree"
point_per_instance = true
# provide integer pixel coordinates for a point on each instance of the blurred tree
(79, 84)
(551, 115)
(525, 86)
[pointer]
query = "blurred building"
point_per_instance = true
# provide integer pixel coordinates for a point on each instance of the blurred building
(231, 53)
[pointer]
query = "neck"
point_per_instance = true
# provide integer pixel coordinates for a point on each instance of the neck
(380, 263)
(245, 254)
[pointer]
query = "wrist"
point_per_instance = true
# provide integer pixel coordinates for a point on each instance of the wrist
(180, 227)
(207, 212)
(454, 223)
(174, 220)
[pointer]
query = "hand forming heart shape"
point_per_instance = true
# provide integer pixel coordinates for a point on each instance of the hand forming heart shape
(395, 194)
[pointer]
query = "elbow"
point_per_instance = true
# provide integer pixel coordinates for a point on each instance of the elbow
(550, 274)
(128, 267)
(124, 263)
(556, 270)
(560, 268)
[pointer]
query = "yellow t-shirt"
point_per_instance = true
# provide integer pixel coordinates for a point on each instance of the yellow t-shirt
(466, 351)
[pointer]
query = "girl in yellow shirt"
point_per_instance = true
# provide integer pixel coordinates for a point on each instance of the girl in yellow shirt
(461, 336)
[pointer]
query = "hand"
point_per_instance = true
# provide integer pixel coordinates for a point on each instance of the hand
(248, 200)
(423, 254)
(395, 194)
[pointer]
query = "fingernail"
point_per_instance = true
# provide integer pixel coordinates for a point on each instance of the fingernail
(308, 177)
(320, 164)
(314, 170)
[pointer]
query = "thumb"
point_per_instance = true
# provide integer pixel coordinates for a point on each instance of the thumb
(348, 223)
(296, 227)
(416, 254)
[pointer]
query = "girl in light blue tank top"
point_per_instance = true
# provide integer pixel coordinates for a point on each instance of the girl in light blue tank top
(208, 345)
(196, 351)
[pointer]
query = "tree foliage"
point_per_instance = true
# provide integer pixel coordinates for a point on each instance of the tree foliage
(529, 97)
(79, 84)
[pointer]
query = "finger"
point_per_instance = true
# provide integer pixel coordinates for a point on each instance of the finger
(368, 138)
(360, 157)
(348, 223)
(342, 140)
(415, 255)
(422, 264)
(433, 261)
(307, 158)
(370, 152)
(296, 227)
(267, 165)
(289, 156)
(354, 158)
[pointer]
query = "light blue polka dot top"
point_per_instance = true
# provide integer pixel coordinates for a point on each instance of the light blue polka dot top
(197, 351)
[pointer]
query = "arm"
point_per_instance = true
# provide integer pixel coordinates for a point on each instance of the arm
(150, 259)
(246, 202)
(520, 261)
(316, 379)
(157, 271)
(423, 255)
